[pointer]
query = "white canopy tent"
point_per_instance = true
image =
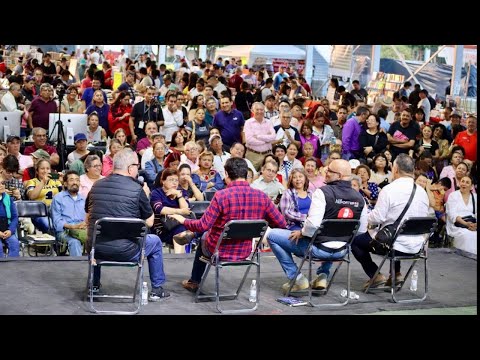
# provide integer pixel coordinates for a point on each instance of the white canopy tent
(251, 52)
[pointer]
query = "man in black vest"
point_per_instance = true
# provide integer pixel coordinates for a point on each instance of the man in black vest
(337, 200)
(120, 195)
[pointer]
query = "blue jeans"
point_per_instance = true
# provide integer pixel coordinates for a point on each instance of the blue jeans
(153, 252)
(283, 249)
(75, 247)
(41, 223)
(13, 246)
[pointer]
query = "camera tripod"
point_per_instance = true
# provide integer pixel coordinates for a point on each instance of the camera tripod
(61, 139)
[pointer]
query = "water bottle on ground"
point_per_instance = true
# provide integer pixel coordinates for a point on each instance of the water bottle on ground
(144, 293)
(414, 281)
(253, 291)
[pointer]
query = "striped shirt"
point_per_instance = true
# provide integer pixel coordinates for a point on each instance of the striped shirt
(237, 202)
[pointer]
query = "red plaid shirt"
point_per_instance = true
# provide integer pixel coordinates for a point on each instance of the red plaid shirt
(237, 202)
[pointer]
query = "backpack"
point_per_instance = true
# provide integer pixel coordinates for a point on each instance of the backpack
(257, 97)
(432, 101)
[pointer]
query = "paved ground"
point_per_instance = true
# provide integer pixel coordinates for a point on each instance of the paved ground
(56, 285)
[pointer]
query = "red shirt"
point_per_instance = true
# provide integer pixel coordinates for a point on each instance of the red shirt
(32, 148)
(237, 202)
(469, 143)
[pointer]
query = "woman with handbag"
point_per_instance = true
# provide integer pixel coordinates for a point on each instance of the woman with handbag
(461, 217)
(168, 200)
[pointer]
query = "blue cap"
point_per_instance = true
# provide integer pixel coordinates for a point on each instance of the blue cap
(78, 137)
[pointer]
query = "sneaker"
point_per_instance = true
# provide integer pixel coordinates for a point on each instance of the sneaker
(184, 237)
(158, 294)
(398, 280)
(190, 285)
(379, 280)
(320, 282)
(300, 284)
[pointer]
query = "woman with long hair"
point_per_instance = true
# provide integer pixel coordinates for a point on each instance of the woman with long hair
(296, 200)
(461, 216)
(315, 180)
(427, 144)
(381, 174)
(178, 142)
(198, 102)
(372, 140)
(43, 187)
(198, 128)
(119, 114)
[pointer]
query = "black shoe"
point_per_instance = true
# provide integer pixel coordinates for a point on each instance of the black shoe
(96, 289)
(158, 294)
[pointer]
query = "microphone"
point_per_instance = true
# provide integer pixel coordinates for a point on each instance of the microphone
(140, 180)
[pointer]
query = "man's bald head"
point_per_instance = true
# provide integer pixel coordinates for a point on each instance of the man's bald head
(338, 169)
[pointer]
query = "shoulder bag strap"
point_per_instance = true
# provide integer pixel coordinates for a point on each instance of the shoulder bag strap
(396, 223)
(473, 201)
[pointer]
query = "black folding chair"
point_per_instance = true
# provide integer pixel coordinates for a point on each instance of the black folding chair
(343, 230)
(208, 195)
(234, 230)
(199, 207)
(117, 228)
(410, 226)
(31, 209)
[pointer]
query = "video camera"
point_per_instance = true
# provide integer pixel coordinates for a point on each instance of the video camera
(61, 91)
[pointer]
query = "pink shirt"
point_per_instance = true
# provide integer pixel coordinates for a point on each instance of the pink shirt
(259, 135)
(86, 184)
(107, 167)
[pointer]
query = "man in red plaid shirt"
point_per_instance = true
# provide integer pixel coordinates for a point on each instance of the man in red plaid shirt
(237, 202)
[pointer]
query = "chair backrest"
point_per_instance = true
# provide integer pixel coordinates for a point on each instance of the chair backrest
(244, 229)
(108, 228)
(199, 207)
(31, 208)
(417, 226)
(208, 195)
(336, 230)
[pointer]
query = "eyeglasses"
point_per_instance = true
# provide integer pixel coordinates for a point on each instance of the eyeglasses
(137, 165)
(41, 135)
(334, 172)
(172, 180)
(97, 166)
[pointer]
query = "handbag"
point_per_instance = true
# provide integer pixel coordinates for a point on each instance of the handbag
(384, 239)
(167, 224)
(468, 218)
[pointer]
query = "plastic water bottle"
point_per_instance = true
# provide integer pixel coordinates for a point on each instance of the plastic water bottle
(353, 294)
(144, 293)
(253, 291)
(413, 281)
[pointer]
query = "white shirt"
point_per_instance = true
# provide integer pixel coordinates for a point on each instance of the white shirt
(315, 217)
(219, 161)
(425, 105)
(390, 203)
(171, 124)
(147, 156)
(9, 103)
